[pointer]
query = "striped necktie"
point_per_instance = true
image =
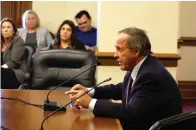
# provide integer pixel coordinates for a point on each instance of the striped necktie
(128, 88)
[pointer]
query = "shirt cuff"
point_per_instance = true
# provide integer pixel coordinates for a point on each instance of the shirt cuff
(4, 66)
(91, 93)
(92, 104)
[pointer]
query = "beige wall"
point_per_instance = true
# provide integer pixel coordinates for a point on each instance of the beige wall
(187, 65)
(187, 19)
(53, 13)
(160, 19)
(187, 28)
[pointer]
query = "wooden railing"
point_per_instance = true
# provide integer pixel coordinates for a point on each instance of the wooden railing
(186, 41)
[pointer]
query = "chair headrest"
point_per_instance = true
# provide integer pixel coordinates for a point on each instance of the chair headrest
(52, 67)
(65, 57)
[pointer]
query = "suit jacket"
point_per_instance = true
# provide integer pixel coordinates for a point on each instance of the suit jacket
(44, 37)
(153, 96)
(13, 57)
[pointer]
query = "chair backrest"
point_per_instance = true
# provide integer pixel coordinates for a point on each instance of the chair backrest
(27, 59)
(184, 121)
(52, 67)
(30, 51)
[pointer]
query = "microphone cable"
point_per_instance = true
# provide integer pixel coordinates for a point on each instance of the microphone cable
(22, 101)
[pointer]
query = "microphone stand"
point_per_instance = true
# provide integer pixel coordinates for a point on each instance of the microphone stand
(52, 106)
(41, 128)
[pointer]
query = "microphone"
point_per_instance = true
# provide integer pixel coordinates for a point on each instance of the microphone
(50, 105)
(41, 128)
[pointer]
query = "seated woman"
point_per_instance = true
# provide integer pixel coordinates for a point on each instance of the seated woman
(12, 52)
(66, 38)
(32, 33)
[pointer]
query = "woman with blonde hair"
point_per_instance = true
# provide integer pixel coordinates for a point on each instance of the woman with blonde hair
(32, 33)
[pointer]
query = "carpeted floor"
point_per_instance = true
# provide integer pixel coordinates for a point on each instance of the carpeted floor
(189, 105)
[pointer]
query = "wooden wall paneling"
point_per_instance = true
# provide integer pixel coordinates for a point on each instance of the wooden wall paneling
(14, 10)
(187, 89)
(168, 60)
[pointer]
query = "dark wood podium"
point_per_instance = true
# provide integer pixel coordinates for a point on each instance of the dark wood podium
(19, 116)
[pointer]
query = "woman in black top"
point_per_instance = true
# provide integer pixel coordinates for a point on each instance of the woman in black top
(12, 53)
(66, 38)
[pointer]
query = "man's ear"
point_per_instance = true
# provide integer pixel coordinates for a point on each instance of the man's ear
(137, 52)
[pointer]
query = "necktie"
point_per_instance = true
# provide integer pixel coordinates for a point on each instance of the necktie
(128, 88)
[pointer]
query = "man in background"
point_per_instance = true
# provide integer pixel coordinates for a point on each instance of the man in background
(84, 31)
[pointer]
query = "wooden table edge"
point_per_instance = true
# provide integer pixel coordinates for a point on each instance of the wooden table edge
(119, 124)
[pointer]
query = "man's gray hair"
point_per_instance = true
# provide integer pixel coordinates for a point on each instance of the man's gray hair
(138, 39)
(25, 16)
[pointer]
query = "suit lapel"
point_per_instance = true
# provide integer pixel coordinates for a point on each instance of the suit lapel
(126, 80)
(134, 86)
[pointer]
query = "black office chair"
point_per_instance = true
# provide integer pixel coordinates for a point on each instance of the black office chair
(184, 121)
(52, 67)
(26, 64)
(29, 50)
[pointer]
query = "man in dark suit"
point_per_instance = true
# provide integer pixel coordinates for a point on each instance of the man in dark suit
(148, 93)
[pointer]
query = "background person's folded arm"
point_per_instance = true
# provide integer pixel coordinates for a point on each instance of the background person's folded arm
(18, 51)
(48, 37)
(4, 66)
(92, 48)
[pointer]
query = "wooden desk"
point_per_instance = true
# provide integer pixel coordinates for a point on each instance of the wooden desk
(19, 116)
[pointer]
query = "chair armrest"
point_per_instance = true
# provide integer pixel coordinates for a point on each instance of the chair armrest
(26, 82)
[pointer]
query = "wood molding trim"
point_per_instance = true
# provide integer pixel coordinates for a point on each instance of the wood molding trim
(187, 89)
(168, 60)
(186, 41)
